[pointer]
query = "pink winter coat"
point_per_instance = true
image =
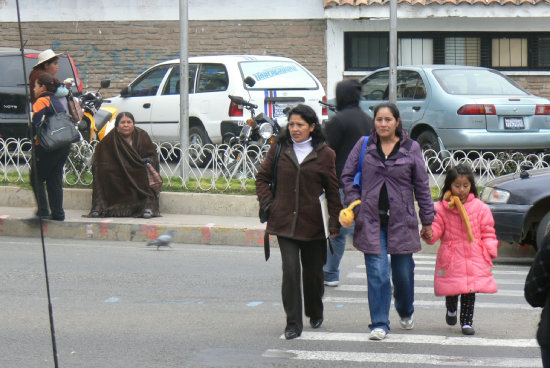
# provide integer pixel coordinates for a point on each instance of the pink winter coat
(462, 267)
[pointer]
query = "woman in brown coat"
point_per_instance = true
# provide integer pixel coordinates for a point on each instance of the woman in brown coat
(305, 169)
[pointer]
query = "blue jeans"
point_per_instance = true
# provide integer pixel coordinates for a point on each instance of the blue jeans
(331, 268)
(379, 285)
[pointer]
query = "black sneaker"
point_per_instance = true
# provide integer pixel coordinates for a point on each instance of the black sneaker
(451, 320)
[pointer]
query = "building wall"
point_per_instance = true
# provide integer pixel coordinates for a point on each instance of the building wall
(121, 50)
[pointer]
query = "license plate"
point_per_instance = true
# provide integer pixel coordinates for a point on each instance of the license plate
(279, 108)
(514, 123)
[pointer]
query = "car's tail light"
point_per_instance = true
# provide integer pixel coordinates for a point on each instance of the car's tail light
(325, 108)
(476, 109)
(235, 109)
(78, 80)
(542, 110)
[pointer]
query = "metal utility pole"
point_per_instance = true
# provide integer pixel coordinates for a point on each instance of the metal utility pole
(393, 51)
(34, 171)
(184, 89)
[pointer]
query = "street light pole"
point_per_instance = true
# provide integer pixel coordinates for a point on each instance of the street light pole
(184, 89)
(393, 51)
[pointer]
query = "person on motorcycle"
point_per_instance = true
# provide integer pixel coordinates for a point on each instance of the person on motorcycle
(342, 131)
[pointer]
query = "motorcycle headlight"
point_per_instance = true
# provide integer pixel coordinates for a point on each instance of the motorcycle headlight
(491, 195)
(266, 130)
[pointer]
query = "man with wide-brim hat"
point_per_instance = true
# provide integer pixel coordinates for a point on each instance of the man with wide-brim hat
(47, 63)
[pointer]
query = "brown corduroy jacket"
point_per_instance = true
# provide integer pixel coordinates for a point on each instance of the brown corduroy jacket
(296, 211)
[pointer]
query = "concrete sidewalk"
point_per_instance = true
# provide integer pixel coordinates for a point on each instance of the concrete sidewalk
(210, 219)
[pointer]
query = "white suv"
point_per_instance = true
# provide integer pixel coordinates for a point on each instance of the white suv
(153, 97)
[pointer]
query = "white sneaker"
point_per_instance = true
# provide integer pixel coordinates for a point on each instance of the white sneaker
(407, 323)
(332, 283)
(377, 334)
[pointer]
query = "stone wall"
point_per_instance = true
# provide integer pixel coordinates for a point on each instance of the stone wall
(121, 50)
(537, 84)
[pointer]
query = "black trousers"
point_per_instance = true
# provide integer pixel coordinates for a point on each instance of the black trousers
(302, 263)
(49, 169)
(467, 302)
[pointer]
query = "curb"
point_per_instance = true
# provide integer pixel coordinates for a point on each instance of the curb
(110, 230)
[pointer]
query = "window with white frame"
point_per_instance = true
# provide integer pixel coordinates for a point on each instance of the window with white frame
(414, 51)
(462, 50)
(368, 50)
(509, 52)
(543, 54)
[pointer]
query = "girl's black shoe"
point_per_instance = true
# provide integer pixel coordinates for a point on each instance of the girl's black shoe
(468, 330)
(451, 320)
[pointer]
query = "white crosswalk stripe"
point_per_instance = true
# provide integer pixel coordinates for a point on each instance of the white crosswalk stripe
(430, 277)
(432, 303)
(426, 290)
(353, 291)
(388, 359)
(420, 339)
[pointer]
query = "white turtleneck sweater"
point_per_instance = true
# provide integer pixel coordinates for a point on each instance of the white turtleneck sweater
(302, 149)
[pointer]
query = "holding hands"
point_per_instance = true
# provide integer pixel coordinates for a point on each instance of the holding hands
(426, 232)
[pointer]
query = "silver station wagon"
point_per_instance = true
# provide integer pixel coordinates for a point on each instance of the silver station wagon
(450, 107)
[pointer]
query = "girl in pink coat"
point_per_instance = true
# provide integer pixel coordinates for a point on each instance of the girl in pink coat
(464, 263)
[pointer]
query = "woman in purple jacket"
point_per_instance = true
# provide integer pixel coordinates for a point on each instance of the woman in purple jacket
(393, 175)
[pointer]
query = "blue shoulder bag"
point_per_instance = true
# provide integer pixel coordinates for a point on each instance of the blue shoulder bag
(357, 180)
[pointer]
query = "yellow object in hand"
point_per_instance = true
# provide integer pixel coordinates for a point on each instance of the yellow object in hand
(347, 216)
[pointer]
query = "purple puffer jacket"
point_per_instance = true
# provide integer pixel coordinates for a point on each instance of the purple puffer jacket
(405, 176)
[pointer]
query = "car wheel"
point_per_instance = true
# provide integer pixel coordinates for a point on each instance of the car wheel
(197, 139)
(428, 142)
(543, 229)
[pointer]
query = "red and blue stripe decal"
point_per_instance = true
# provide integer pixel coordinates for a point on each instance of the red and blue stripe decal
(268, 106)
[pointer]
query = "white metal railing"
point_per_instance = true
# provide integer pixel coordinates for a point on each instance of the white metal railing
(216, 166)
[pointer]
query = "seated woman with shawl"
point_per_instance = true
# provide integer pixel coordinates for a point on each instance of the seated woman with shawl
(121, 185)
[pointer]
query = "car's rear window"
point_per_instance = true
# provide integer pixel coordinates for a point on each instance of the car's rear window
(277, 75)
(477, 82)
(11, 69)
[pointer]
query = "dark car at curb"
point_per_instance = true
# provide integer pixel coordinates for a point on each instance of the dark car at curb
(13, 101)
(520, 204)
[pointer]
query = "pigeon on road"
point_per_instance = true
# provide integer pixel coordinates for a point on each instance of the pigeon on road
(163, 240)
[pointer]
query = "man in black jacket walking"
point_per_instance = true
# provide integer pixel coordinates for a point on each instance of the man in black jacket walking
(537, 293)
(343, 130)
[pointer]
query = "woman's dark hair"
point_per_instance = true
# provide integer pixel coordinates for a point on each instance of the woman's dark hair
(51, 83)
(310, 117)
(455, 172)
(47, 62)
(122, 114)
(395, 112)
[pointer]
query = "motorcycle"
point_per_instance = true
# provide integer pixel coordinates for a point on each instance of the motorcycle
(97, 120)
(242, 156)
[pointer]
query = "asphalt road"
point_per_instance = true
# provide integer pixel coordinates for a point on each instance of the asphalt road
(118, 304)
